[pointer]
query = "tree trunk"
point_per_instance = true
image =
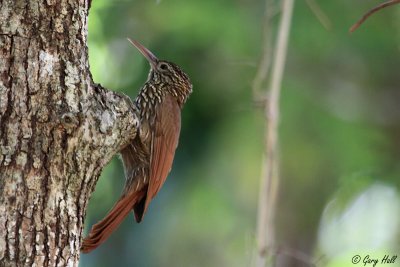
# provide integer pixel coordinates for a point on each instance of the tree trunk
(57, 131)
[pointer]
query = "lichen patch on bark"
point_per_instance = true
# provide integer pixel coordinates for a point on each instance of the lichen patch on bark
(47, 62)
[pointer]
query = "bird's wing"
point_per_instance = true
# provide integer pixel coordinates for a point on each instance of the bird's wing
(164, 143)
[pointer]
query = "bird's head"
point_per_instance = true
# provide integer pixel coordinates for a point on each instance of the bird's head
(165, 74)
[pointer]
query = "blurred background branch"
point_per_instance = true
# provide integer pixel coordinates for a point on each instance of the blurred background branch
(320, 14)
(270, 169)
(371, 12)
(259, 96)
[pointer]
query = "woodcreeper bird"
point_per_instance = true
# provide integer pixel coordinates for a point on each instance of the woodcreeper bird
(148, 157)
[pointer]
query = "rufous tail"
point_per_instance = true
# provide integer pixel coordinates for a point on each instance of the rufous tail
(103, 229)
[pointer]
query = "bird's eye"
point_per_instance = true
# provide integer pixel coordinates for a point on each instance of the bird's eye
(163, 66)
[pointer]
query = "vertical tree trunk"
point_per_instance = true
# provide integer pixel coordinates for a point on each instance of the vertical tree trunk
(57, 131)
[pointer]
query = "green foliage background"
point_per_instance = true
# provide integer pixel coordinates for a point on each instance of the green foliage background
(339, 133)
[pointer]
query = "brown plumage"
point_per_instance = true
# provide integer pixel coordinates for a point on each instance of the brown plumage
(148, 157)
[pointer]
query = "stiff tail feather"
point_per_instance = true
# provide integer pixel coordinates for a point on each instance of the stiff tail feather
(103, 229)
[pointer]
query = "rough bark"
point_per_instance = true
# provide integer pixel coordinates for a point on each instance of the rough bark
(57, 131)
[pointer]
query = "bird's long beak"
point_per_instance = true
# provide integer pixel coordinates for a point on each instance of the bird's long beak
(145, 52)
